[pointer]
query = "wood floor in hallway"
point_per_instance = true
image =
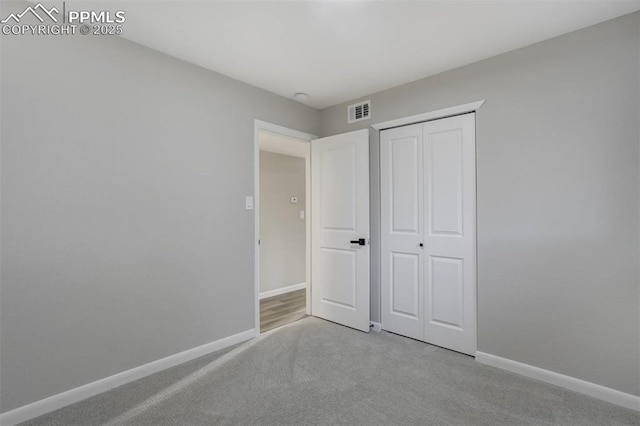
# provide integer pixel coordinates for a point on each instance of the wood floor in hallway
(279, 310)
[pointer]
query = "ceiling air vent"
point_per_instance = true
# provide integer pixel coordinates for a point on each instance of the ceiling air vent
(359, 111)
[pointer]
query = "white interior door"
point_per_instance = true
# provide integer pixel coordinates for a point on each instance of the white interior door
(401, 219)
(450, 232)
(428, 235)
(340, 229)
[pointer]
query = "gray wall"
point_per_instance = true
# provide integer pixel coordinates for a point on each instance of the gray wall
(282, 232)
(124, 233)
(557, 165)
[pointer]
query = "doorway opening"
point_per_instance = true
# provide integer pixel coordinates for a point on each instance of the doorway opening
(282, 226)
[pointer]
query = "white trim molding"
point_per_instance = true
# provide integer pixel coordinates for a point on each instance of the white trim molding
(282, 290)
(591, 389)
(74, 395)
(281, 130)
(432, 115)
(375, 326)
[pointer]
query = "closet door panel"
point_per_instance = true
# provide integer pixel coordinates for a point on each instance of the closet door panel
(450, 245)
(402, 221)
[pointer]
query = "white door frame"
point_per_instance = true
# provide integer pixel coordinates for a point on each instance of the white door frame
(259, 126)
(420, 118)
(429, 116)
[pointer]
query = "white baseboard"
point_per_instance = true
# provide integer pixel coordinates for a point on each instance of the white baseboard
(283, 290)
(375, 326)
(71, 396)
(596, 391)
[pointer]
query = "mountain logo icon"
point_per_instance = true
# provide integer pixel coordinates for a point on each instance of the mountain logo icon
(33, 11)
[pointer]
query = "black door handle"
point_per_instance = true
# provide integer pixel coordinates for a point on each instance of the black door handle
(360, 241)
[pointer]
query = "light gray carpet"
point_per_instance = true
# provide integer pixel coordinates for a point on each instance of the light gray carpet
(316, 372)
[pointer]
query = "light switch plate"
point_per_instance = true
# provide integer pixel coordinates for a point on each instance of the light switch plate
(249, 203)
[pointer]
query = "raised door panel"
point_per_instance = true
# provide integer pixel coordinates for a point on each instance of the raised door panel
(445, 182)
(404, 182)
(445, 291)
(337, 188)
(405, 284)
(340, 277)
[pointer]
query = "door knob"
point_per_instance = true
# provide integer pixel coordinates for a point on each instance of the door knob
(360, 241)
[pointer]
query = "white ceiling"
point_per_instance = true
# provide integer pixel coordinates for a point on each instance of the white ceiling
(336, 50)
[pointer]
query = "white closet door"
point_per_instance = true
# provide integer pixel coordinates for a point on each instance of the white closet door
(450, 243)
(428, 264)
(401, 187)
